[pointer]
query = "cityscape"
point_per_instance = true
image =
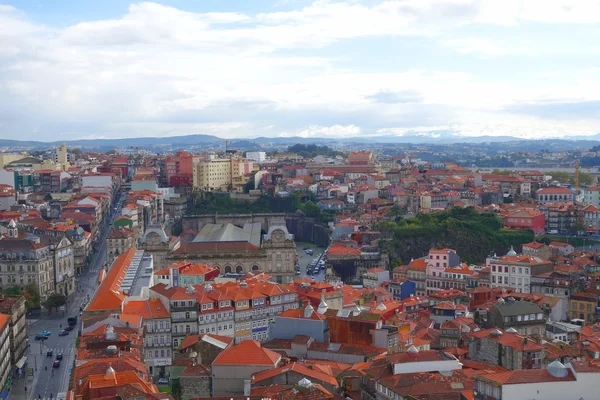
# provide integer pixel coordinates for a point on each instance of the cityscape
(299, 200)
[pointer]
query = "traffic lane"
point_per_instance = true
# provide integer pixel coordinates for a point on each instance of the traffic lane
(305, 259)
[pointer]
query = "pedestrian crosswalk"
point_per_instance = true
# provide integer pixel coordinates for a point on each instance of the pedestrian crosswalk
(60, 350)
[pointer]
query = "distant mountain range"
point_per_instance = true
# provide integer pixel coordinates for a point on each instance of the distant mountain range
(440, 138)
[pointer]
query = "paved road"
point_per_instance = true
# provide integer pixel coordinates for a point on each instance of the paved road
(304, 259)
(46, 382)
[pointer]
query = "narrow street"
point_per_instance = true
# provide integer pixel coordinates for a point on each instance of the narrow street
(47, 382)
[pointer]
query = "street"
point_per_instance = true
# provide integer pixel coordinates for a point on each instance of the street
(305, 259)
(48, 381)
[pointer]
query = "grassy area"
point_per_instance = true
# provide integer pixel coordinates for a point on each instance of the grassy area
(164, 389)
(575, 241)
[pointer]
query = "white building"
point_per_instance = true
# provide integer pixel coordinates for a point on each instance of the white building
(575, 381)
(516, 270)
(591, 196)
(258, 156)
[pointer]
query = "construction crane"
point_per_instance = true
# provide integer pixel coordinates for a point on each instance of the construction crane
(576, 181)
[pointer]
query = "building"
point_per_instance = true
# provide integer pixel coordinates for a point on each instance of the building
(582, 305)
(554, 284)
(516, 270)
(179, 169)
(525, 317)
(555, 382)
(234, 249)
(15, 308)
(8, 197)
(302, 321)
(537, 249)
(236, 365)
(555, 195)
(26, 261)
(186, 274)
(119, 241)
(258, 156)
(374, 277)
(591, 218)
(417, 272)
(526, 219)
(507, 349)
(157, 335)
(156, 242)
(591, 196)
(5, 356)
(219, 174)
(562, 248)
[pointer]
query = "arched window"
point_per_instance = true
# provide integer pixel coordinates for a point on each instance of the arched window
(239, 269)
(255, 268)
(227, 269)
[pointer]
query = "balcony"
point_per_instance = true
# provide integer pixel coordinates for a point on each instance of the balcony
(192, 318)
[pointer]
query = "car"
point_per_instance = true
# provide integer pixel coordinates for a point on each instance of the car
(59, 356)
(163, 381)
(45, 333)
(49, 353)
(306, 248)
(298, 272)
(64, 332)
(38, 337)
(56, 364)
(68, 328)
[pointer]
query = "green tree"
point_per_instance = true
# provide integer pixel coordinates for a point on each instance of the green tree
(311, 210)
(55, 300)
(32, 296)
(579, 226)
(12, 291)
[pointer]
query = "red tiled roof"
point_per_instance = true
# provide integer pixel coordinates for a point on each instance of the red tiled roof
(248, 352)
(298, 369)
(108, 297)
(522, 376)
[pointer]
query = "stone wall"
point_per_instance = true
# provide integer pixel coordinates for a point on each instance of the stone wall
(193, 387)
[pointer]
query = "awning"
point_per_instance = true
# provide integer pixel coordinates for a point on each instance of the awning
(591, 230)
(21, 362)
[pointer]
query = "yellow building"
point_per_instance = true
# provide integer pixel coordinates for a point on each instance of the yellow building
(582, 305)
(220, 174)
(6, 158)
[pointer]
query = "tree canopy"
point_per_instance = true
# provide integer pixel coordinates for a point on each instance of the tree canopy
(569, 177)
(55, 300)
(313, 150)
(472, 234)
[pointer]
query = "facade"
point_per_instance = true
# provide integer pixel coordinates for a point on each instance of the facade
(64, 264)
(537, 249)
(24, 261)
(582, 305)
(526, 219)
(15, 308)
(212, 175)
(591, 196)
(591, 218)
(516, 271)
(156, 242)
(5, 356)
(236, 365)
(157, 336)
(555, 195)
(119, 241)
(417, 272)
(554, 284)
(525, 317)
(507, 349)
(258, 156)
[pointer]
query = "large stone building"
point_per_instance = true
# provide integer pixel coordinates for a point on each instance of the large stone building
(220, 173)
(119, 241)
(235, 249)
(159, 244)
(26, 261)
(15, 308)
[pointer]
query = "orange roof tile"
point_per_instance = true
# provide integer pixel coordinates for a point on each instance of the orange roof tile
(108, 297)
(248, 352)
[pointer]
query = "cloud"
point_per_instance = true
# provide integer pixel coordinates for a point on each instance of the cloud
(406, 96)
(158, 69)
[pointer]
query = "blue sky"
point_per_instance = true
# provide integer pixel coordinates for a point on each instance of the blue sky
(73, 69)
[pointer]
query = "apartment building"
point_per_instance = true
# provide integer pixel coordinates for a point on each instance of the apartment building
(158, 352)
(219, 173)
(516, 270)
(15, 308)
(118, 242)
(5, 356)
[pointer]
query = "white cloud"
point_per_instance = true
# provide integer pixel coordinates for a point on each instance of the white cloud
(158, 69)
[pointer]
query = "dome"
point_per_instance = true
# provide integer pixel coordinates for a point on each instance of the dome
(511, 252)
(110, 373)
(511, 330)
(496, 333)
(305, 383)
(308, 311)
(557, 369)
(412, 350)
(322, 306)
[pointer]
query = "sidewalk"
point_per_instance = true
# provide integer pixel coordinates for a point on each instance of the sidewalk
(17, 390)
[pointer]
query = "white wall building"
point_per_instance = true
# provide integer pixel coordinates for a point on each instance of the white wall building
(258, 156)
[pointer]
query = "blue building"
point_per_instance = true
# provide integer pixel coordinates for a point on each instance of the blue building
(403, 290)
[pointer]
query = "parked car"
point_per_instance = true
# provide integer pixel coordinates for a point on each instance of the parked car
(49, 353)
(163, 381)
(59, 356)
(63, 333)
(56, 364)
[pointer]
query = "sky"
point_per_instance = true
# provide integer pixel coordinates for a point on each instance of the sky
(72, 69)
